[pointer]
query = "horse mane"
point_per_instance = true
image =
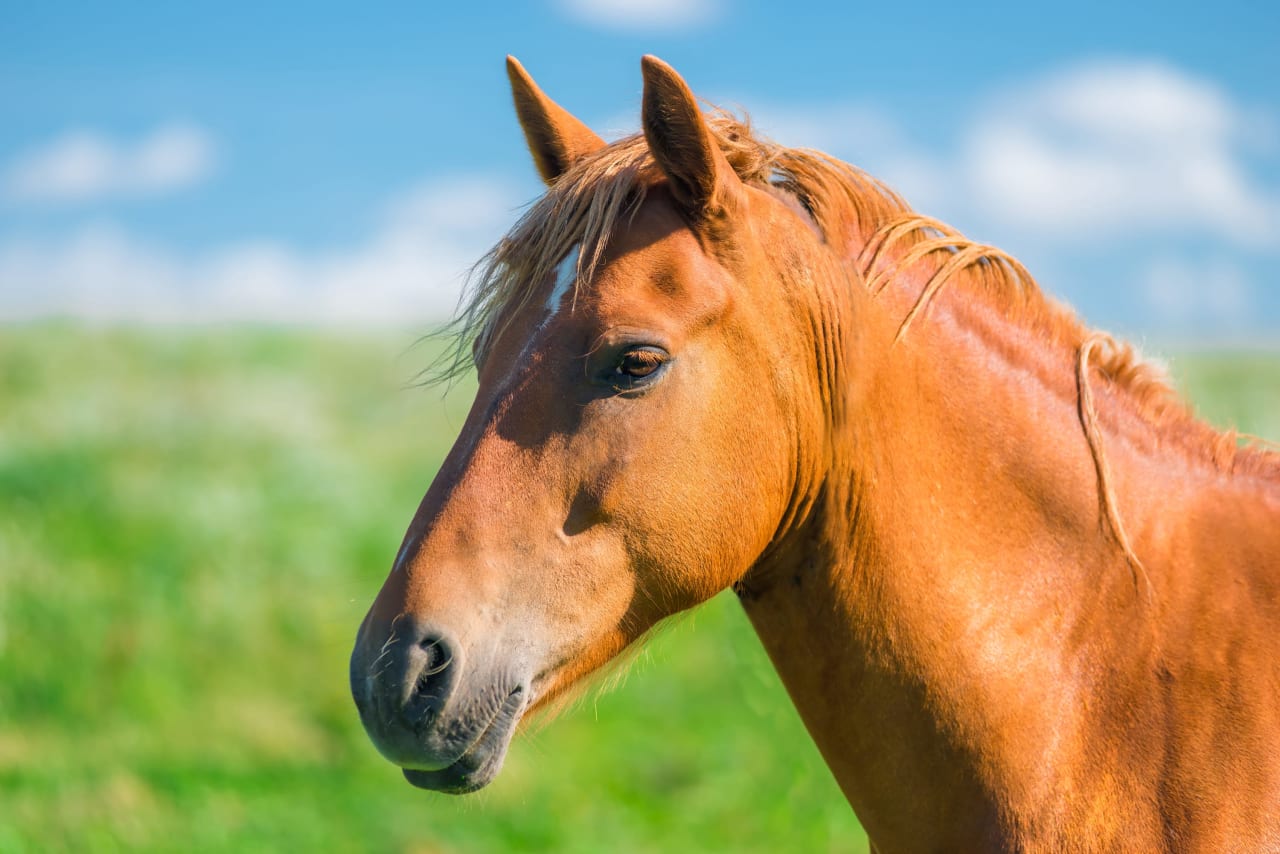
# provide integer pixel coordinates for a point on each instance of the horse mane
(871, 229)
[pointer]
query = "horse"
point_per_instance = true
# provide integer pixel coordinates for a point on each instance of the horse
(1020, 596)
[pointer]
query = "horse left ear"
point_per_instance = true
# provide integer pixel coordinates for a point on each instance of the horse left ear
(702, 180)
(557, 139)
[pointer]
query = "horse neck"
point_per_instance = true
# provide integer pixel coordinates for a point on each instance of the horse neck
(930, 612)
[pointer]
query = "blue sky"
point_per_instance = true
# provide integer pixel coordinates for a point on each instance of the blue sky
(183, 162)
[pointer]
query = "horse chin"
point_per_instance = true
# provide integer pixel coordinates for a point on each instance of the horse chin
(482, 761)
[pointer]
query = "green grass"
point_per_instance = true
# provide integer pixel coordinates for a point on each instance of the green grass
(192, 525)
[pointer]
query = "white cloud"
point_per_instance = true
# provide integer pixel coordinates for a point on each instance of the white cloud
(1200, 294)
(1096, 152)
(1118, 148)
(409, 271)
(83, 166)
(1134, 100)
(839, 128)
(861, 134)
(648, 15)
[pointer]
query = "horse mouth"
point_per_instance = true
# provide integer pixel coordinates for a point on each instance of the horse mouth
(482, 761)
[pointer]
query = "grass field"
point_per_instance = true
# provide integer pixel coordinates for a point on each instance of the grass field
(192, 525)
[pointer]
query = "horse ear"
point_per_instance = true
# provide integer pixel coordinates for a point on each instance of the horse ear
(701, 178)
(556, 139)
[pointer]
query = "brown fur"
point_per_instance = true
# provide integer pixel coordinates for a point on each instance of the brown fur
(1022, 598)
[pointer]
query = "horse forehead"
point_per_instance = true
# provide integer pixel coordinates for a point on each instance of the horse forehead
(664, 274)
(656, 247)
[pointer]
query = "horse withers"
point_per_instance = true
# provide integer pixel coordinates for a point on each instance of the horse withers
(1021, 598)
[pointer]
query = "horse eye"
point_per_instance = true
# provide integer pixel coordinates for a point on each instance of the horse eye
(639, 363)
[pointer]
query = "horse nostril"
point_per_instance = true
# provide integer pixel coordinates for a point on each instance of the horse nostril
(433, 659)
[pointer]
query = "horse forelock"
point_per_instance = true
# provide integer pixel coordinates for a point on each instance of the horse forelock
(868, 225)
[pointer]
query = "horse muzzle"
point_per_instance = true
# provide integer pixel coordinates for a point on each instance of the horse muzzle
(447, 732)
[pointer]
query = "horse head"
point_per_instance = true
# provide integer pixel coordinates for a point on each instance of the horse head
(637, 441)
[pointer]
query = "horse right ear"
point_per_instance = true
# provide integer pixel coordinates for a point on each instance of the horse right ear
(556, 139)
(701, 179)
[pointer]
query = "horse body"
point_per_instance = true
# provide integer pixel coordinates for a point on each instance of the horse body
(1021, 599)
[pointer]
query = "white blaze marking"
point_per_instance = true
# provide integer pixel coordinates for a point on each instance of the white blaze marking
(565, 275)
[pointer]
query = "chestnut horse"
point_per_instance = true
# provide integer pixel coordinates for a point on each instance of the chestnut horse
(1021, 598)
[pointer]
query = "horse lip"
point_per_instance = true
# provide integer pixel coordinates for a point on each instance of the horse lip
(480, 761)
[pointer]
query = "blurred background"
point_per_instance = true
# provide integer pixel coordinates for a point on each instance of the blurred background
(223, 229)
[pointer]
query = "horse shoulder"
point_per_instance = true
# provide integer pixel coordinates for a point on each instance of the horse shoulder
(1218, 673)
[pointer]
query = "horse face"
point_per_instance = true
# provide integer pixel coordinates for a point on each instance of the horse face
(626, 457)
(620, 463)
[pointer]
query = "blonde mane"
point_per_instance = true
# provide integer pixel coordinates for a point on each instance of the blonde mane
(871, 228)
